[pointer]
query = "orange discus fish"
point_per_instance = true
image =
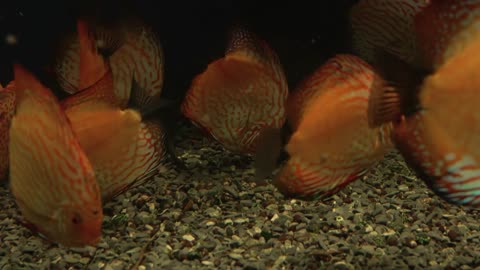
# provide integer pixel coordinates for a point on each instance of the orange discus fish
(137, 62)
(437, 121)
(7, 109)
(388, 25)
(124, 151)
(50, 176)
(240, 96)
(332, 144)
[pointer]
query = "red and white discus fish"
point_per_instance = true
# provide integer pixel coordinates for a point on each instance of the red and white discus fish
(388, 25)
(240, 96)
(51, 178)
(137, 62)
(124, 150)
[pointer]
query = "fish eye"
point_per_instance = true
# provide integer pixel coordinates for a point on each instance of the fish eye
(76, 219)
(95, 212)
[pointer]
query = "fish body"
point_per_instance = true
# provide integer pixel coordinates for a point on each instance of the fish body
(240, 95)
(94, 75)
(7, 109)
(438, 131)
(387, 25)
(332, 143)
(136, 62)
(444, 28)
(124, 149)
(51, 178)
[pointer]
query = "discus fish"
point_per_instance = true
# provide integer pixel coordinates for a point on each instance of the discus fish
(51, 178)
(436, 121)
(7, 109)
(136, 61)
(332, 144)
(386, 24)
(241, 95)
(107, 130)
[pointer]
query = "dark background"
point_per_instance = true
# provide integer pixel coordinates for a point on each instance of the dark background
(192, 33)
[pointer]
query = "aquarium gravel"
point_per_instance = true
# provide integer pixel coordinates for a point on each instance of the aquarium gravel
(213, 216)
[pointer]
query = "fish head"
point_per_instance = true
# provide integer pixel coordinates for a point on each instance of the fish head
(79, 225)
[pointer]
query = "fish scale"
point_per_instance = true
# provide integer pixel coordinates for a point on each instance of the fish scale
(332, 144)
(385, 24)
(239, 95)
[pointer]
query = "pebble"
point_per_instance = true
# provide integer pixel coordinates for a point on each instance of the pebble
(214, 218)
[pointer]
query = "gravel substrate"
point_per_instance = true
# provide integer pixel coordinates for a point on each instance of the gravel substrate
(213, 216)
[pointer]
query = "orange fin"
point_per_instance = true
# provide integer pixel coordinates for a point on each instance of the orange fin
(92, 65)
(103, 130)
(24, 79)
(395, 91)
(269, 147)
(383, 104)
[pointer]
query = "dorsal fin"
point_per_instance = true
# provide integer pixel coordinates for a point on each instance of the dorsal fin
(24, 79)
(92, 65)
(245, 44)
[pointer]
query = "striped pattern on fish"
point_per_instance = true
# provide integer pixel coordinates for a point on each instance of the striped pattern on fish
(333, 143)
(137, 163)
(139, 59)
(63, 201)
(385, 24)
(239, 95)
(333, 72)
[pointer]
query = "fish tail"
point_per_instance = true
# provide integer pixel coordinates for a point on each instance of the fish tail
(92, 65)
(269, 146)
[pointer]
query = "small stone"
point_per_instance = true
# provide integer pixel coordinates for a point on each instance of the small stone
(403, 188)
(235, 256)
(241, 220)
(143, 217)
(392, 240)
(455, 234)
(188, 237)
(207, 263)
(210, 223)
(342, 265)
